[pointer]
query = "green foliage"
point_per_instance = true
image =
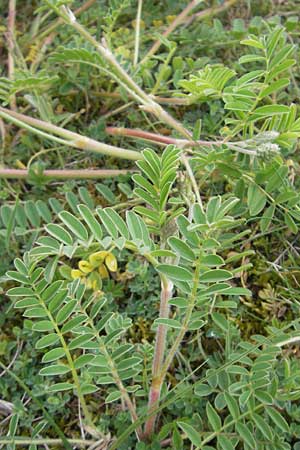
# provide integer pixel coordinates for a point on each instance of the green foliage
(179, 281)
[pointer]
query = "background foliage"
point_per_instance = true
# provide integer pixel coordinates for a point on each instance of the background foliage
(231, 78)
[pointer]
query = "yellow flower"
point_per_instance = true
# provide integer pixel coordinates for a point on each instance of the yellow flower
(111, 262)
(157, 23)
(170, 19)
(75, 273)
(103, 271)
(85, 266)
(97, 258)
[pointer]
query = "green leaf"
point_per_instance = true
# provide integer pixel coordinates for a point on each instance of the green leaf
(59, 233)
(203, 390)
(278, 419)
(47, 341)
(74, 225)
(212, 261)
(73, 323)
(14, 275)
(174, 272)
(80, 341)
(35, 312)
(108, 223)
(254, 42)
(220, 321)
(191, 433)
(128, 363)
(225, 443)
(213, 417)
(83, 360)
(256, 199)
(232, 405)
(53, 355)
(267, 218)
(20, 292)
(172, 323)
(26, 303)
(91, 222)
(113, 396)
(245, 434)
(290, 223)
(66, 311)
(275, 86)
(59, 387)
(43, 325)
(118, 222)
(263, 427)
(181, 248)
(55, 369)
(270, 110)
(215, 276)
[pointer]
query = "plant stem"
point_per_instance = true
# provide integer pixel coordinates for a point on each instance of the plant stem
(147, 103)
(64, 174)
(51, 28)
(210, 12)
(177, 21)
(46, 441)
(77, 385)
(69, 138)
(159, 138)
(159, 353)
(10, 44)
(160, 376)
(115, 375)
(137, 33)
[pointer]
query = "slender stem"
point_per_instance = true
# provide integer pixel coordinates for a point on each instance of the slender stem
(182, 331)
(137, 32)
(160, 377)
(64, 174)
(159, 138)
(45, 441)
(69, 138)
(159, 354)
(51, 28)
(148, 104)
(192, 178)
(177, 21)
(210, 12)
(115, 375)
(10, 44)
(86, 412)
(164, 100)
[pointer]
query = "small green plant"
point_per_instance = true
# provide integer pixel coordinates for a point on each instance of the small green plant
(221, 390)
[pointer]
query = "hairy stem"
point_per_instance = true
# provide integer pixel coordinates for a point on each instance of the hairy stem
(16, 440)
(159, 353)
(164, 367)
(10, 44)
(67, 137)
(64, 174)
(137, 32)
(148, 104)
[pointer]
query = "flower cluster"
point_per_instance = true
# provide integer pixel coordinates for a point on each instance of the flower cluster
(97, 268)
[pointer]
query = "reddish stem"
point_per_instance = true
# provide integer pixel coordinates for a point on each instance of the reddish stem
(159, 138)
(63, 174)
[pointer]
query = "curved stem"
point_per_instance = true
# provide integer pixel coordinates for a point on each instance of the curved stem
(70, 138)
